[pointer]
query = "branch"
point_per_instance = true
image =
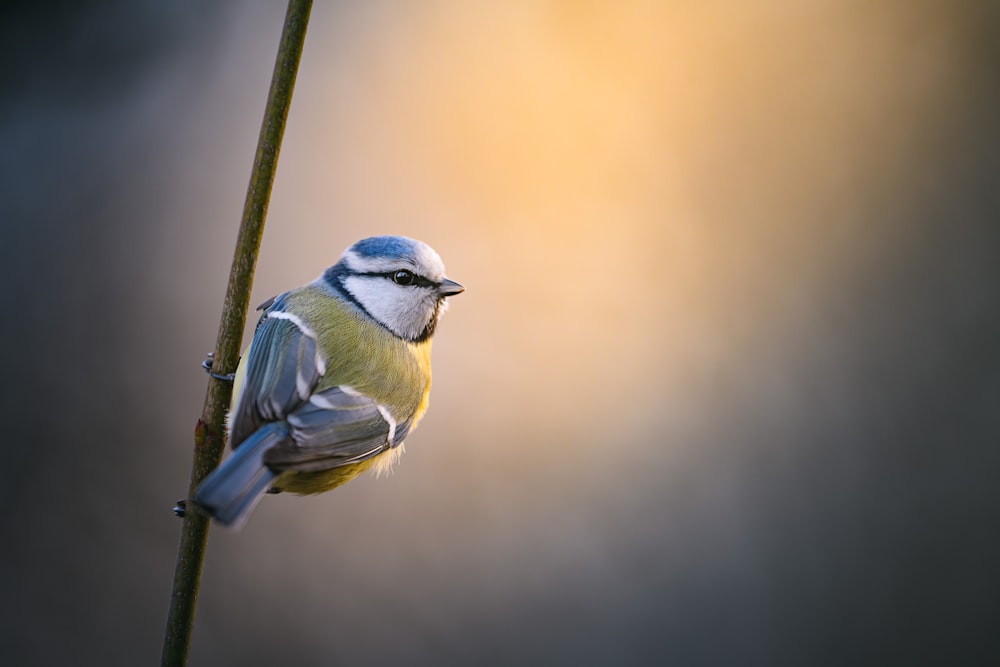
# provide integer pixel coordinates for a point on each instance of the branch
(209, 438)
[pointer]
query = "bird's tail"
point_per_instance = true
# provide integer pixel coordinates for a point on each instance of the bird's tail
(230, 492)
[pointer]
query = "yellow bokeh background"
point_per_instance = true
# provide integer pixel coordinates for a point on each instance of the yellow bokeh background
(645, 202)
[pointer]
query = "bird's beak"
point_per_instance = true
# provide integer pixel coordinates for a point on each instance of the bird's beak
(449, 288)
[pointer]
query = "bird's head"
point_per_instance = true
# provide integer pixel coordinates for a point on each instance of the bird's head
(399, 282)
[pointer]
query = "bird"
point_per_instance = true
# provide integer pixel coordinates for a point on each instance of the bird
(337, 374)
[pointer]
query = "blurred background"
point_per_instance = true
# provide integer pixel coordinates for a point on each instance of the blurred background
(724, 388)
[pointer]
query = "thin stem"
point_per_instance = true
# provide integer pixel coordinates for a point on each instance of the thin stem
(209, 437)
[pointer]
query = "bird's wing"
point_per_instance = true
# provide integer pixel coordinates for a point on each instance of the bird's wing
(329, 428)
(336, 427)
(282, 368)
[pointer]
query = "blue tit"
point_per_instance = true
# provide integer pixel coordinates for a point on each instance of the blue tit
(337, 375)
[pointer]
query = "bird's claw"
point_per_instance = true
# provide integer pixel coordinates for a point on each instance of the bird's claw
(207, 365)
(180, 509)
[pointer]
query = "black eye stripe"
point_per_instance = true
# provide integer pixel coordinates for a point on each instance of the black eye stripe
(418, 280)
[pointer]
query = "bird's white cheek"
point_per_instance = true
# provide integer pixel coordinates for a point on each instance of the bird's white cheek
(400, 309)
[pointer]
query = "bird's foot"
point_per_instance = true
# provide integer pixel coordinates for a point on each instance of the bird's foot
(207, 365)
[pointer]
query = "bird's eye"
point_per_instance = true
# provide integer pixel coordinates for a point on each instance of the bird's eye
(403, 277)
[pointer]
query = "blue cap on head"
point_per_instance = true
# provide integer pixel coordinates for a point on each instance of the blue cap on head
(385, 246)
(384, 254)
